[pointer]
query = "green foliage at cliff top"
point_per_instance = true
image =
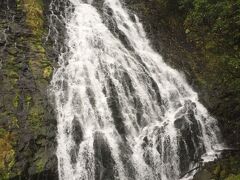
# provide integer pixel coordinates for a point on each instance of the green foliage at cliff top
(214, 26)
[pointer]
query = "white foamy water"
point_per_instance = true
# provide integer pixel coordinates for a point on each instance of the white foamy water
(122, 112)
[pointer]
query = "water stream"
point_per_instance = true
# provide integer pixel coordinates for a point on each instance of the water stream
(122, 112)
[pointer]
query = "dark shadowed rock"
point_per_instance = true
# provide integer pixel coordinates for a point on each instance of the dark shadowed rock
(104, 162)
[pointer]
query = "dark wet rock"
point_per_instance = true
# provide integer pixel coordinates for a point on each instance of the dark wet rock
(114, 105)
(125, 156)
(98, 4)
(2, 38)
(77, 135)
(190, 145)
(204, 175)
(44, 175)
(77, 131)
(104, 162)
(110, 22)
(91, 97)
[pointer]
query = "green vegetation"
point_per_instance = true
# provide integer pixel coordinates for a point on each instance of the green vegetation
(233, 177)
(47, 72)
(34, 19)
(16, 101)
(224, 169)
(214, 26)
(35, 118)
(40, 162)
(34, 15)
(7, 153)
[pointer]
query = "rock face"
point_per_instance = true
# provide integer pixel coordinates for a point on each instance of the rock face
(27, 122)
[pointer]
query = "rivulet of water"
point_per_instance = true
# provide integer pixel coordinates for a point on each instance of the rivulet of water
(123, 114)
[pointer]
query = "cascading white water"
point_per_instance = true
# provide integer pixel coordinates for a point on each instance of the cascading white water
(122, 112)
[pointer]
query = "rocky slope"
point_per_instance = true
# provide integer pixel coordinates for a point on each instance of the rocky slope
(27, 123)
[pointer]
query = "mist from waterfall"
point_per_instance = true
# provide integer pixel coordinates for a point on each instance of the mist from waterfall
(122, 112)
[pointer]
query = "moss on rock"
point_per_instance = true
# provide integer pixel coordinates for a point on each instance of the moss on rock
(35, 118)
(227, 168)
(47, 72)
(34, 15)
(25, 73)
(233, 177)
(7, 153)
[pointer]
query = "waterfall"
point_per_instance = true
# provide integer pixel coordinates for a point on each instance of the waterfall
(122, 112)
